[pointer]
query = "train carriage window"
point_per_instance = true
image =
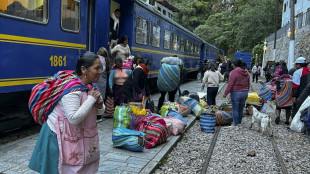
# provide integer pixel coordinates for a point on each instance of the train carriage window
(187, 46)
(196, 49)
(31, 10)
(182, 44)
(70, 15)
(175, 42)
(155, 35)
(142, 31)
(167, 39)
(192, 48)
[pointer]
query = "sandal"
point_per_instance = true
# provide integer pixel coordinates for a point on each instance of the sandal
(277, 121)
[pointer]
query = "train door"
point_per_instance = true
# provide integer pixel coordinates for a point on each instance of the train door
(90, 25)
(114, 5)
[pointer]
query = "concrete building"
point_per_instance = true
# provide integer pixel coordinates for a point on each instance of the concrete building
(302, 34)
(163, 6)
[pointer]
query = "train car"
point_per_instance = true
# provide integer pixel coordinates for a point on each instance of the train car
(154, 36)
(211, 53)
(39, 38)
(245, 56)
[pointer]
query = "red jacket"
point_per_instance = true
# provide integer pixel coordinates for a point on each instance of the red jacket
(239, 80)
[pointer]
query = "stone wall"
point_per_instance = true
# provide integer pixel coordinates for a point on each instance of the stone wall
(302, 46)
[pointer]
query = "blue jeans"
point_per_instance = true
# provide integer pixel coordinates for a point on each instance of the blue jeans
(238, 99)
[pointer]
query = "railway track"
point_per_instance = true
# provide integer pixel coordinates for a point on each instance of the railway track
(214, 140)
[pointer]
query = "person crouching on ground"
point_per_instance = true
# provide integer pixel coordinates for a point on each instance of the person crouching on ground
(211, 79)
(135, 86)
(238, 86)
(74, 112)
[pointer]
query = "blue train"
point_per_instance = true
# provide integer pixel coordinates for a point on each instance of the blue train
(245, 56)
(39, 38)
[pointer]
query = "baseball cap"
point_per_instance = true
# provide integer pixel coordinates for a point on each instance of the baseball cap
(300, 60)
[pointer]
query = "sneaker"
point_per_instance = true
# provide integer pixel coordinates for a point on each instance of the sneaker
(277, 121)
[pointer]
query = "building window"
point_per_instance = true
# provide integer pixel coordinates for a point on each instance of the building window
(156, 36)
(164, 12)
(70, 15)
(142, 31)
(182, 43)
(29, 10)
(175, 42)
(159, 8)
(167, 39)
(284, 7)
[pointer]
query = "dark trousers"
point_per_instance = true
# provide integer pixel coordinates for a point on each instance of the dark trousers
(255, 76)
(211, 95)
(162, 97)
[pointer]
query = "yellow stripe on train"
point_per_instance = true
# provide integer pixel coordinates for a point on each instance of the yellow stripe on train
(42, 42)
(160, 52)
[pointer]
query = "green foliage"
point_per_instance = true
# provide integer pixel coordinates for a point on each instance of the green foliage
(237, 25)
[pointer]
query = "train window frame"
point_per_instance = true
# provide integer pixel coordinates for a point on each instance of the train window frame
(187, 46)
(79, 19)
(174, 43)
(152, 36)
(142, 29)
(182, 44)
(31, 20)
(192, 48)
(165, 41)
(196, 49)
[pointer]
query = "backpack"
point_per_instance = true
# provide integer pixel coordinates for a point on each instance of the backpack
(45, 95)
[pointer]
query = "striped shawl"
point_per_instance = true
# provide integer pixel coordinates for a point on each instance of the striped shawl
(45, 95)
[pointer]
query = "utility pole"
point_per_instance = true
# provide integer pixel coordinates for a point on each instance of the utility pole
(292, 36)
(275, 30)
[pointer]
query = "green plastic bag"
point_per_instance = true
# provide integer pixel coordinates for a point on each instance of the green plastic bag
(122, 116)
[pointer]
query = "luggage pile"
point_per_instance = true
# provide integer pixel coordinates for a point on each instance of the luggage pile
(210, 116)
(136, 128)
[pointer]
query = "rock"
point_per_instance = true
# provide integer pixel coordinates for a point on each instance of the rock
(251, 154)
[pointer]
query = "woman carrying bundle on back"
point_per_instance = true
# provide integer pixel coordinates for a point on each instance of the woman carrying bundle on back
(71, 106)
(169, 78)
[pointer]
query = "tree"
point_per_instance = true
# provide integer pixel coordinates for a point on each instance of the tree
(234, 25)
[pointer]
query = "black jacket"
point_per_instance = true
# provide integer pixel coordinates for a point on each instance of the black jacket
(137, 81)
(114, 35)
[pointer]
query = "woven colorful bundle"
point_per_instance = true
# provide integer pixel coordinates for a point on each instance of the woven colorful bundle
(223, 117)
(284, 97)
(168, 77)
(45, 95)
(155, 129)
(128, 139)
(265, 93)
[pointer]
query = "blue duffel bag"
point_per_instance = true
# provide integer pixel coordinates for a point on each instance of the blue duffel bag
(128, 139)
(207, 122)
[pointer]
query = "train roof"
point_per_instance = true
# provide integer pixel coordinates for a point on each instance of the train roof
(155, 11)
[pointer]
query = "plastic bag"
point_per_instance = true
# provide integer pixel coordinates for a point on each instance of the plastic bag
(297, 125)
(150, 105)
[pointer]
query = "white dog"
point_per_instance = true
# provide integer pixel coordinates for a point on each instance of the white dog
(261, 118)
